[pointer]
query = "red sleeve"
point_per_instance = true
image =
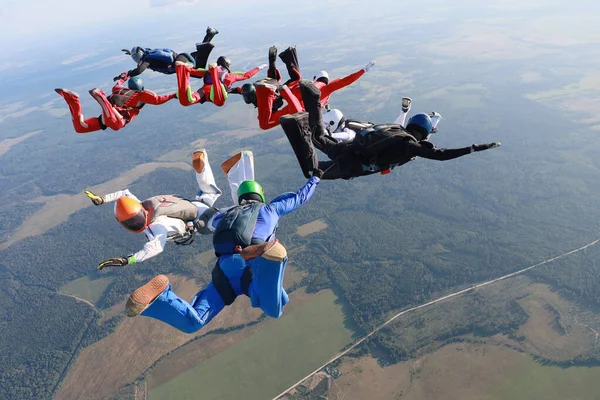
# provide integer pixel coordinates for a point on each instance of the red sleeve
(198, 73)
(340, 83)
(236, 76)
(148, 97)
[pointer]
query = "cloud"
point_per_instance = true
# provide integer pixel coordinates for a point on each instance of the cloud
(79, 57)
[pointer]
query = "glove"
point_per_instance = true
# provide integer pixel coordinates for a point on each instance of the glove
(317, 172)
(369, 65)
(114, 262)
(97, 200)
(122, 75)
(482, 147)
(262, 66)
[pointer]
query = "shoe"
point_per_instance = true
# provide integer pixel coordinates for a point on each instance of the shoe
(272, 54)
(142, 297)
(67, 92)
(406, 102)
(287, 56)
(198, 160)
(265, 250)
(211, 31)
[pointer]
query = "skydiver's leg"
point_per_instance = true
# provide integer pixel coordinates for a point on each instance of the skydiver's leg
(311, 96)
(265, 96)
(290, 59)
(266, 288)
(298, 132)
(209, 191)
(184, 90)
(218, 93)
(346, 167)
(110, 116)
(405, 108)
(80, 124)
(273, 72)
(169, 308)
(202, 53)
(210, 34)
(238, 169)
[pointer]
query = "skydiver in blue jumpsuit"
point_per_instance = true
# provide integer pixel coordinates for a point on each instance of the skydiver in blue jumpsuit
(255, 270)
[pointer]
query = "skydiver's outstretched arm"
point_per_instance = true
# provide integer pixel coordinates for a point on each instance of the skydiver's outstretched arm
(241, 76)
(292, 202)
(432, 153)
(148, 97)
(108, 198)
(139, 69)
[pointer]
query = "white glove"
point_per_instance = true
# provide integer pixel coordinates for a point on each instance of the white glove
(262, 66)
(369, 65)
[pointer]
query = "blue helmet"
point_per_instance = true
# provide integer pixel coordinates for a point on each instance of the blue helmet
(135, 83)
(420, 123)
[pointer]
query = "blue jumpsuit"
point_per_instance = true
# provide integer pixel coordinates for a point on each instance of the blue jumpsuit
(266, 289)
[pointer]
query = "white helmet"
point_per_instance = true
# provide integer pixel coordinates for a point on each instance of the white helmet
(333, 119)
(322, 74)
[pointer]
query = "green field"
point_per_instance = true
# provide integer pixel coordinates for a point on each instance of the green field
(269, 361)
(533, 381)
(86, 288)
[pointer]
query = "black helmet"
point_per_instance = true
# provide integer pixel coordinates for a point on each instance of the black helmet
(249, 93)
(224, 62)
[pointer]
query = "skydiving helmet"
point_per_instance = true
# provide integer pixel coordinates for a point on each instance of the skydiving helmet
(249, 93)
(250, 190)
(224, 62)
(130, 213)
(135, 83)
(333, 120)
(137, 53)
(421, 124)
(321, 76)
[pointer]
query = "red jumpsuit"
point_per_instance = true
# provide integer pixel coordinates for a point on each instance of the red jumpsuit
(328, 88)
(112, 116)
(265, 97)
(215, 92)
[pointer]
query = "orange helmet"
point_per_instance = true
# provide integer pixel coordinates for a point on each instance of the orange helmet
(130, 213)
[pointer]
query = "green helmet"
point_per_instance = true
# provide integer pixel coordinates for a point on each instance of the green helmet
(250, 190)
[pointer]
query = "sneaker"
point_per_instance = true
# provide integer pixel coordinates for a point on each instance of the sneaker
(67, 92)
(261, 250)
(406, 102)
(272, 54)
(142, 297)
(211, 31)
(198, 160)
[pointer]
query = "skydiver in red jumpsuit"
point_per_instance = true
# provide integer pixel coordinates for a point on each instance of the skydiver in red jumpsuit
(218, 79)
(118, 109)
(268, 96)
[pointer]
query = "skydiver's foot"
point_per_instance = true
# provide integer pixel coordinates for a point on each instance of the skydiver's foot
(288, 55)
(142, 297)
(273, 251)
(66, 92)
(406, 103)
(198, 160)
(210, 34)
(272, 54)
(435, 119)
